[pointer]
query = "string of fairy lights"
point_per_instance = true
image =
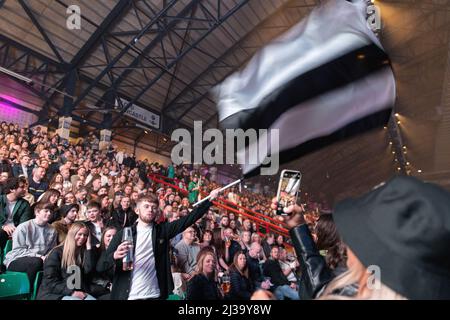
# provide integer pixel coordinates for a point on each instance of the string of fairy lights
(398, 148)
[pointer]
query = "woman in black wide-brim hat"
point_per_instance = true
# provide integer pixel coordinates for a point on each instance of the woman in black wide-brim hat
(397, 239)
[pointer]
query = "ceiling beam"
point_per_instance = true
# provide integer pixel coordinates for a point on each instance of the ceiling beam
(95, 39)
(41, 30)
(213, 27)
(221, 62)
(117, 58)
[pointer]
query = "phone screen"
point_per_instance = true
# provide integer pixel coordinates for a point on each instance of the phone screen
(288, 187)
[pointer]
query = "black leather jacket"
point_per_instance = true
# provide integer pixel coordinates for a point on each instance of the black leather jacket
(315, 272)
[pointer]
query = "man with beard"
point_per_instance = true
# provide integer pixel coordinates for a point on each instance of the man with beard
(13, 209)
(151, 277)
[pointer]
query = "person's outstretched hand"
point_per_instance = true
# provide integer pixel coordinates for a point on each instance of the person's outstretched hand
(214, 194)
(294, 215)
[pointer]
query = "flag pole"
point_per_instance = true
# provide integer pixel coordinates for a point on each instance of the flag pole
(220, 190)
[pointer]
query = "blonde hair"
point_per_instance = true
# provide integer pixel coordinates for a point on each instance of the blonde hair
(39, 148)
(358, 274)
(206, 251)
(254, 236)
(71, 255)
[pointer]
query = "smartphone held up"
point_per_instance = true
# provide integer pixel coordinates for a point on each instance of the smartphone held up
(288, 188)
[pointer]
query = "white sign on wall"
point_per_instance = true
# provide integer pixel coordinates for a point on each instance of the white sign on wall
(141, 114)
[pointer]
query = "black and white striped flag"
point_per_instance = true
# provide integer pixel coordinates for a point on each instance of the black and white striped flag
(326, 79)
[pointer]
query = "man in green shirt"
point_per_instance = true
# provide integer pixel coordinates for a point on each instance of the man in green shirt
(171, 171)
(193, 189)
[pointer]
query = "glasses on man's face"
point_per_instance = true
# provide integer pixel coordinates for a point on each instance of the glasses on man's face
(191, 231)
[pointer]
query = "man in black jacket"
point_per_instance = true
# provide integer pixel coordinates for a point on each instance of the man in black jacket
(123, 216)
(4, 176)
(151, 277)
(5, 165)
(283, 288)
(23, 168)
(13, 209)
(255, 267)
(94, 223)
(233, 246)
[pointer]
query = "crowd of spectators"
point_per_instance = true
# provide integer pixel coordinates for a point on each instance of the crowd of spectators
(65, 206)
(63, 202)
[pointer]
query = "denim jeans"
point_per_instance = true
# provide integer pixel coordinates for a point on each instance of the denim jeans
(286, 291)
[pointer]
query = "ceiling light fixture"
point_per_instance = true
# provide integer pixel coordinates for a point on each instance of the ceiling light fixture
(16, 75)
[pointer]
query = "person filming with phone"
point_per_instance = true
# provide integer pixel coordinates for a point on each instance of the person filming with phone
(383, 228)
